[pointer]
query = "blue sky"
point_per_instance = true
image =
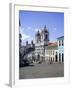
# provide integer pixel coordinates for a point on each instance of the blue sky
(32, 21)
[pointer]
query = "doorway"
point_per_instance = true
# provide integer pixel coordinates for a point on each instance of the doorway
(59, 57)
(62, 57)
(56, 57)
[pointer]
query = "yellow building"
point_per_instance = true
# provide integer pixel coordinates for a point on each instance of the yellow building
(51, 52)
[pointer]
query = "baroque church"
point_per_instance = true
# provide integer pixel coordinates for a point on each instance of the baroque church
(41, 41)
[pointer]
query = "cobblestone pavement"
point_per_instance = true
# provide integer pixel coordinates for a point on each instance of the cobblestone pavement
(41, 71)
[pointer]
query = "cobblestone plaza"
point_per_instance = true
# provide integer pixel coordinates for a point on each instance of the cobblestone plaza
(41, 71)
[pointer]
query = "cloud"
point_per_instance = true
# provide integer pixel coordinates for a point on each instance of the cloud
(24, 36)
(28, 38)
(55, 28)
(37, 29)
(22, 30)
(29, 28)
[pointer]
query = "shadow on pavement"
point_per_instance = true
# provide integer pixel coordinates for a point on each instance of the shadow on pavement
(28, 66)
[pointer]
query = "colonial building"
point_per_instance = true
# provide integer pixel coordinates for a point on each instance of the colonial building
(51, 52)
(61, 49)
(29, 50)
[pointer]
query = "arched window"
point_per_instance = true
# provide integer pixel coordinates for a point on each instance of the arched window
(53, 52)
(62, 43)
(46, 37)
(59, 43)
(51, 59)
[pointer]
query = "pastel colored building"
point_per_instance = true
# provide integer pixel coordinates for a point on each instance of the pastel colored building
(51, 52)
(61, 49)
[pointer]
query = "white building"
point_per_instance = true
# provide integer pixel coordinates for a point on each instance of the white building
(51, 52)
(60, 49)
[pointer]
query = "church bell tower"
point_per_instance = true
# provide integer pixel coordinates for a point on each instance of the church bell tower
(45, 36)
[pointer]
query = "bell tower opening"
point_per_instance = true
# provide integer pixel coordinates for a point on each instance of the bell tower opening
(46, 35)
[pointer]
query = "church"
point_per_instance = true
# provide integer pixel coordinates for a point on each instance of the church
(41, 41)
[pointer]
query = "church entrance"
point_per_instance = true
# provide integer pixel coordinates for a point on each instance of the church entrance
(38, 57)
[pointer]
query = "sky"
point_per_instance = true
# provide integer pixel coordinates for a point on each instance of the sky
(32, 21)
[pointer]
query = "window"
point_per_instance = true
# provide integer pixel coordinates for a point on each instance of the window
(46, 37)
(62, 43)
(59, 43)
(56, 57)
(56, 53)
(51, 59)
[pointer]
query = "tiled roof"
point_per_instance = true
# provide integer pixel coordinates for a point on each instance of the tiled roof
(52, 44)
